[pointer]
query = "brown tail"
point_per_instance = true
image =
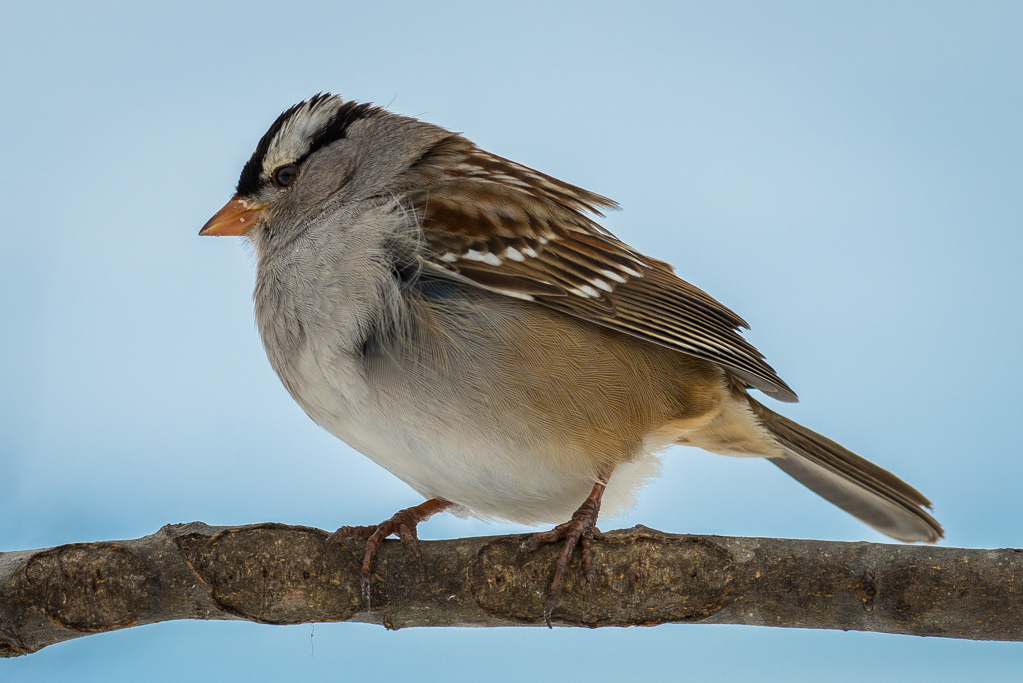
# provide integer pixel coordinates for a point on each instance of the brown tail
(871, 494)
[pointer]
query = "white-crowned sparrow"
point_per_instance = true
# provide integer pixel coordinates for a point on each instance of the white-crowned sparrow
(463, 321)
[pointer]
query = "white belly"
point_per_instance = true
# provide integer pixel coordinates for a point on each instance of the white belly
(432, 447)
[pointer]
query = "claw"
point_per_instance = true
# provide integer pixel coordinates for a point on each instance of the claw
(402, 524)
(534, 541)
(580, 530)
(364, 583)
(410, 539)
(548, 609)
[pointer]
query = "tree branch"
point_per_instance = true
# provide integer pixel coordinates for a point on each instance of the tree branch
(278, 574)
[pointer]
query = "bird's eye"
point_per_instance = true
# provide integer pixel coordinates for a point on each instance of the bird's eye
(285, 175)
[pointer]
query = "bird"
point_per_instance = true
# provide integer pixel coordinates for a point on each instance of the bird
(466, 322)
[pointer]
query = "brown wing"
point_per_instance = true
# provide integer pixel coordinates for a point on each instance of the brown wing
(513, 230)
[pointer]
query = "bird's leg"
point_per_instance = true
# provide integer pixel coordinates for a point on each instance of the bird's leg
(580, 531)
(402, 524)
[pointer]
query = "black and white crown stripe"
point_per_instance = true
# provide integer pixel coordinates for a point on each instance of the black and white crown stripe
(298, 133)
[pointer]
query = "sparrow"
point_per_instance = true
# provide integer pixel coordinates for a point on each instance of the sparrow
(465, 322)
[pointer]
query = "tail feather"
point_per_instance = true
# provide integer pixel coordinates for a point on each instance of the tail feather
(868, 492)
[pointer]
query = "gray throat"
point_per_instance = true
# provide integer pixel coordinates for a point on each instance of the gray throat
(330, 291)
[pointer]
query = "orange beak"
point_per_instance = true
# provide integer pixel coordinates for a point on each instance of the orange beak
(236, 218)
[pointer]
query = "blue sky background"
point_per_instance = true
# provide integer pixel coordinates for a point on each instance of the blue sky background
(846, 176)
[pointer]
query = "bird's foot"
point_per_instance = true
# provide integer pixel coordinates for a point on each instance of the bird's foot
(580, 530)
(403, 525)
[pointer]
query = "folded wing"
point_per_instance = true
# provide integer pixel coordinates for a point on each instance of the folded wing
(518, 232)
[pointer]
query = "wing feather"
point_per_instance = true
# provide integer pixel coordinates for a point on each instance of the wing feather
(509, 229)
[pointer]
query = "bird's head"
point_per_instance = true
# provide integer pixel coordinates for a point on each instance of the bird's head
(323, 154)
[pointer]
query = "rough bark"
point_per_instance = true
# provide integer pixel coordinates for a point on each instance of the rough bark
(278, 574)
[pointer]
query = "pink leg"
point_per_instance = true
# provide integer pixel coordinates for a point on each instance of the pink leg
(580, 531)
(402, 524)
